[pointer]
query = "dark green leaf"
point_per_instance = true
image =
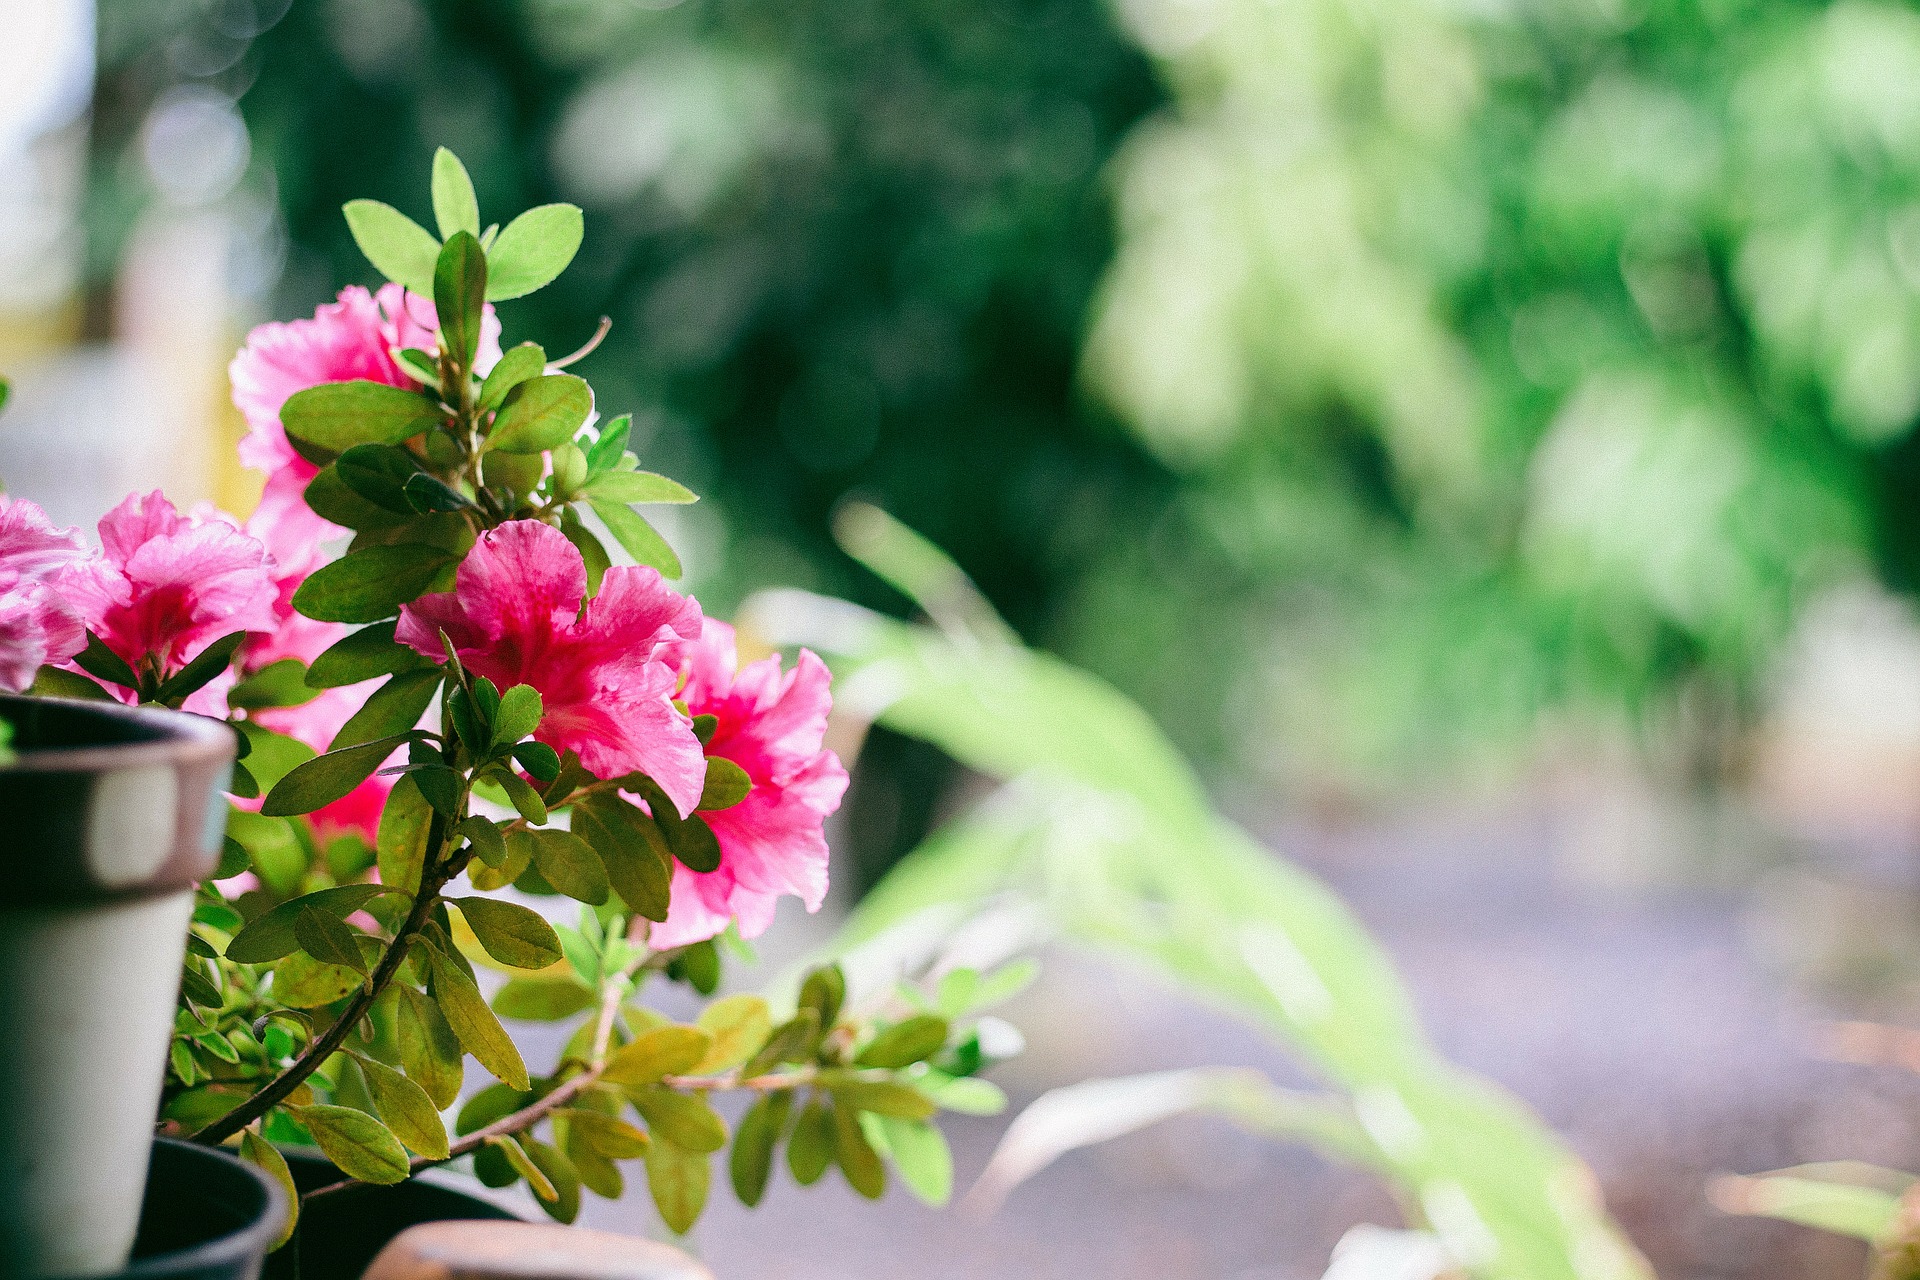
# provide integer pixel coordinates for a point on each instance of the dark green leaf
(823, 991)
(810, 1150)
(511, 934)
(541, 413)
(522, 796)
(914, 1040)
(278, 684)
(335, 416)
(271, 935)
(207, 664)
(698, 966)
(379, 474)
(488, 844)
(491, 1166)
(542, 999)
(597, 1173)
(406, 1108)
(454, 208)
(398, 247)
(858, 1160)
(441, 787)
(570, 865)
(426, 494)
(564, 1205)
(632, 850)
(541, 761)
(233, 859)
(884, 1097)
(362, 1146)
(324, 779)
(392, 709)
(758, 1137)
(104, 664)
(327, 938)
(523, 1165)
(518, 715)
(727, 784)
(459, 290)
(533, 249)
(791, 1041)
(642, 541)
(330, 499)
(591, 552)
(682, 1119)
(522, 362)
(495, 1102)
(362, 655)
(474, 1023)
(196, 987)
(371, 583)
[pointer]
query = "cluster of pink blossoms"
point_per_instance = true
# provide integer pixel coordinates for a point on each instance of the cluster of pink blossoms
(620, 675)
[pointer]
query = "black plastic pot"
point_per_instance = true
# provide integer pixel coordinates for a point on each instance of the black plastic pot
(341, 1232)
(207, 1216)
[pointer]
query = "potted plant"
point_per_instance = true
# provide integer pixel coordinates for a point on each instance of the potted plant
(496, 684)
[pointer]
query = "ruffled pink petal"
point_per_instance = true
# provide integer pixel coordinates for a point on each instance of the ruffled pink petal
(30, 545)
(37, 628)
(524, 583)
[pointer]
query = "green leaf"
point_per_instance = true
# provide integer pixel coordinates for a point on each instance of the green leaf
(454, 206)
(691, 840)
(884, 1097)
(427, 495)
(511, 934)
(459, 291)
(392, 709)
(53, 682)
(751, 1162)
(429, 1050)
(362, 1146)
(524, 798)
(823, 991)
(474, 1023)
(335, 416)
(570, 865)
(653, 1055)
(810, 1150)
(792, 1041)
(533, 249)
(682, 1119)
(739, 1025)
(488, 844)
(632, 850)
(597, 1173)
(406, 1108)
(542, 999)
(400, 846)
(902, 1045)
(398, 247)
(564, 1205)
(642, 541)
(327, 939)
(858, 1160)
(679, 1180)
(278, 684)
(611, 1136)
(103, 663)
(440, 784)
(606, 450)
(921, 1157)
(541, 761)
(266, 1157)
(233, 859)
(210, 662)
(513, 368)
(541, 413)
(518, 716)
(379, 473)
(271, 936)
(370, 583)
(967, 1095)
(537, 1181)
(727, 785)
(638, 486)
(324, 779)
(363, 655)
(495, 1102)
(301, 982)
(1866, 1213)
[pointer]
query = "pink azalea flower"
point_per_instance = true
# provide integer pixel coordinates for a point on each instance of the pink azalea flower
(771, 723)
(37, 625)
(169, 584)
(350, 338)
(515, 616)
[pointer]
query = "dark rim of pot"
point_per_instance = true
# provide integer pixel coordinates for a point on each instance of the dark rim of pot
(263, 1206)
(98, 736)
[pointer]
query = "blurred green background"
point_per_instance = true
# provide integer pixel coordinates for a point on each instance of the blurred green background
(1364, 385)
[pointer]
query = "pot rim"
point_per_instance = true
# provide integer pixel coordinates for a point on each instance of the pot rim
(251, 1239)
(170, 738)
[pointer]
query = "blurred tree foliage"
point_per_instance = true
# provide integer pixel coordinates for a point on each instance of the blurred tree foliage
(1471, 364)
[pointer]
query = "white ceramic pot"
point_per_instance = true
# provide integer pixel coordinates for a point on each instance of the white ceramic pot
(108, 817)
